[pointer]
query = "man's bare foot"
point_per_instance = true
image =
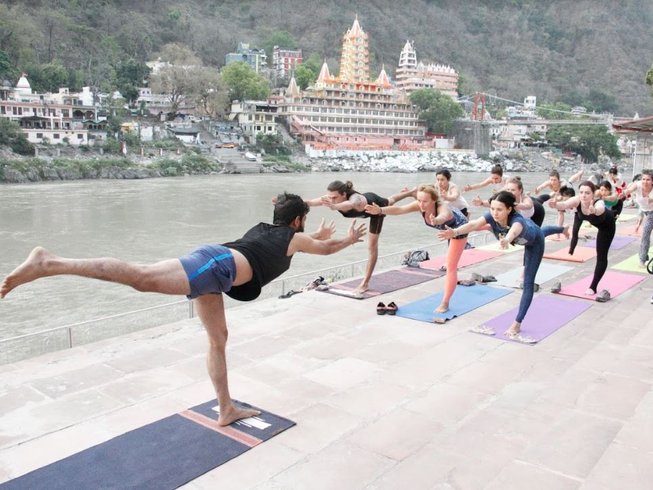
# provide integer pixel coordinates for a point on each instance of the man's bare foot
(514, 330)
(443, 308)
(28, 271)
(642, 265)
(565, 231)
(233, 413)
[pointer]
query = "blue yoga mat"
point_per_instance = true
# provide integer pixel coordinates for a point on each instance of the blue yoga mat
(464, 299)
(162, 455)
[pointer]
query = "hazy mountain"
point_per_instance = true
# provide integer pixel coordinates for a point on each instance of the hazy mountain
(556, 50)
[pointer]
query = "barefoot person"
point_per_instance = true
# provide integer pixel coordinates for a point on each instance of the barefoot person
(588, 208)
(496, 179)
(343, 198)
(510, 227)
(436, 214)
(239, 268)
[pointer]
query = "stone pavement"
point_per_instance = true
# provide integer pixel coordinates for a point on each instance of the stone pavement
(380, 402)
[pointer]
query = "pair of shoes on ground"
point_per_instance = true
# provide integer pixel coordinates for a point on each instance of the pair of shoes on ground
(480, 278)
(390, 309)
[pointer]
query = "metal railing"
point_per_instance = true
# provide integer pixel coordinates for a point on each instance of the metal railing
(32, 344)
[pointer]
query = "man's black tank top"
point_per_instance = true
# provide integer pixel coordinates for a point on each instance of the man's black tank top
(265, 247)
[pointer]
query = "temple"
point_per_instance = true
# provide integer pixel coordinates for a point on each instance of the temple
(413, 75)
(352, 111)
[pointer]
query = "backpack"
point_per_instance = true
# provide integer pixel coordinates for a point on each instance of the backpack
(412, 258)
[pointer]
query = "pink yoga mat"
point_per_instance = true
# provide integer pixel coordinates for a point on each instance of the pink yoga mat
(581, 254)
(615, 282)
(539, 322)
(469, 257)
(629, 230)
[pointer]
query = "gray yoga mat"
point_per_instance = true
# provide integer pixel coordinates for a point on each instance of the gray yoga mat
(546, 272)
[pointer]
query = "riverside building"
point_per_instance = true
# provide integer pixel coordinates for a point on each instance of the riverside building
(351, 111)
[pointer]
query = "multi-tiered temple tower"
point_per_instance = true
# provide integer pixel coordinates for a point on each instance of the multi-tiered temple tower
(351, 111)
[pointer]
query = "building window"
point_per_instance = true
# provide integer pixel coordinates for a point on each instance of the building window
(55, 136)
(80, 136)
(39, 135)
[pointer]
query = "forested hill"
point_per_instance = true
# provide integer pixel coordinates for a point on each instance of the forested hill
(558, 50)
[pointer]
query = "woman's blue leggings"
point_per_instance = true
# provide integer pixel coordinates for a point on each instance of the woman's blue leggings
(533, 253)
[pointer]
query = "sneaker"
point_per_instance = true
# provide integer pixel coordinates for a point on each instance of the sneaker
(603, 296)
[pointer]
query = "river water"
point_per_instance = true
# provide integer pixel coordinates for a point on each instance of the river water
(149, 220)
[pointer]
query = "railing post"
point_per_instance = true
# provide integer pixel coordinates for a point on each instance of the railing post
(191, 309)
(70, 338)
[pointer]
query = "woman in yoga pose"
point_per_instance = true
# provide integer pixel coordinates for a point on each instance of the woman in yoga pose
(436, 214)
(588, 208)
(342, 197)
(510, 228)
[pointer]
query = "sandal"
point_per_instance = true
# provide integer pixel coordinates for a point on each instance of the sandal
(380, 309)
(290, 293)
(391, 309)
(483, 329)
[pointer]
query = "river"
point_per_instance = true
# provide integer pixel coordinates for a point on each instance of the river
(149, 220)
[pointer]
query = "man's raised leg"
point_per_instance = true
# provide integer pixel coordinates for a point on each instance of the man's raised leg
(167, 276)
(210, 309)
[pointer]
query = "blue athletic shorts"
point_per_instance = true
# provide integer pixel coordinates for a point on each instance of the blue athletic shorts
(211, 269)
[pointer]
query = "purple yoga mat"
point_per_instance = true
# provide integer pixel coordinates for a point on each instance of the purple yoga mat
(618, 242)
(546, 315)
(385, 282)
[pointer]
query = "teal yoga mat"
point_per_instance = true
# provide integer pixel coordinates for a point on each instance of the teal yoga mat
(464, 299)
(162, 455)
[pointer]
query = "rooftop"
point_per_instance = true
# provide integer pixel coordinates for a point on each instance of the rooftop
(380, 402)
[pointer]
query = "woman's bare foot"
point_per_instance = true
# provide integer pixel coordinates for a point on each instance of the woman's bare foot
(589, 292)
(233, 413)
(514, 330)
(443, 308)
(30, 270)
(565, 231)
(362, 288)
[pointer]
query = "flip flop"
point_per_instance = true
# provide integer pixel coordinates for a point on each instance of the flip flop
(522, 339)
(483, 329)
(290, 293)
(466, 282)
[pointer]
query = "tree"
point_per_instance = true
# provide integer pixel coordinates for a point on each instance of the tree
(212, 95)
(589, 141)
(244, 83)
(283, 39)
(600, 102)
(437, 110)
(13, 137)
(48, 77)
(559, 110)
(307, 72)
(649, 78)
(180, 77)
(130, 75)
